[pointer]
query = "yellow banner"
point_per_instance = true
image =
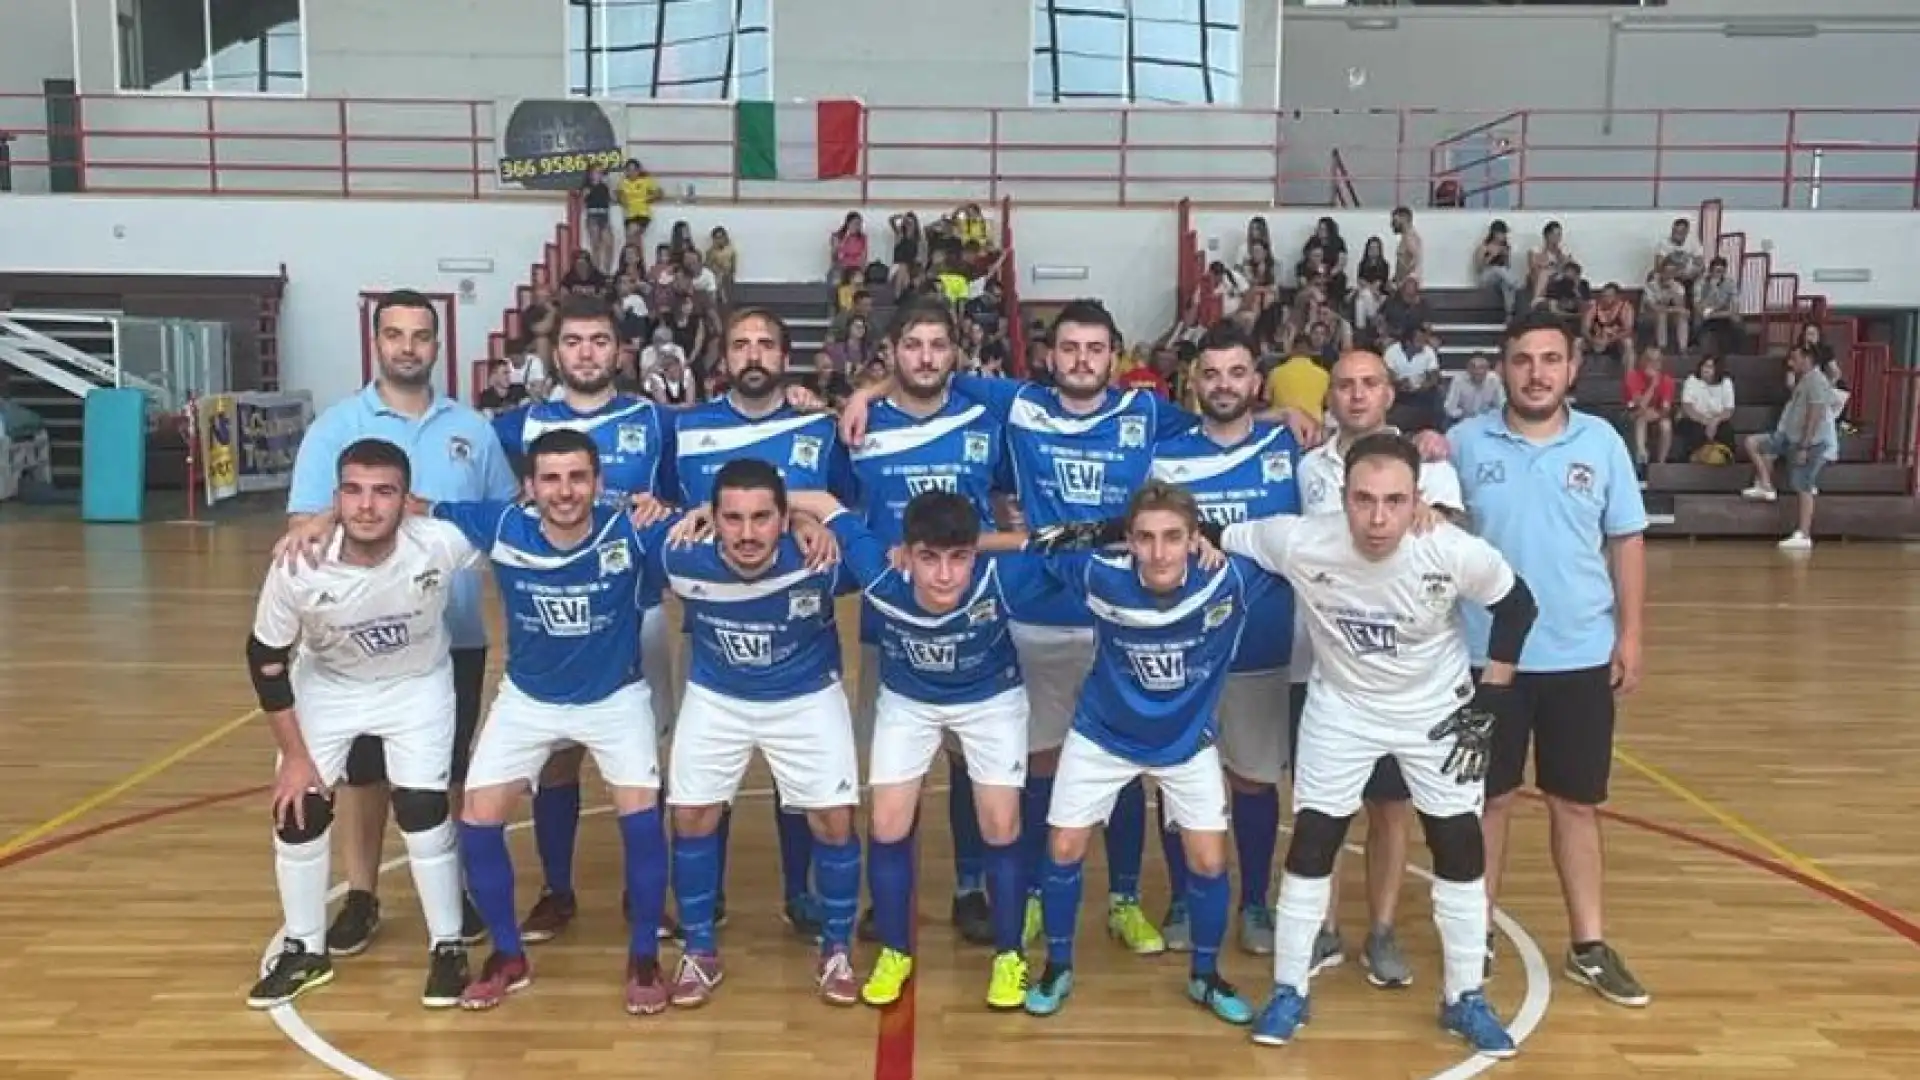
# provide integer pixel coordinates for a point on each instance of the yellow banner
(219, 423)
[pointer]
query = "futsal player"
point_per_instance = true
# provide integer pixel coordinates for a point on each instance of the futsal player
(1555, 490)
(756, 419)
(454, 455)
(764, 675)
(634, 440)
(1391, 677)
(357, 646)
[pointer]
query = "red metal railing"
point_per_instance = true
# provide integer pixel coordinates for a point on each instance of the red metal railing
(1016, 323)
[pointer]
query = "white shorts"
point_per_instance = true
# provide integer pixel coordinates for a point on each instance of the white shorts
(1337, 753)
(992, 733)
(807, 741)
(657, 667)
(1253, 725)
(1054, 660)
(520, 734)
(413, 717)
(1089, 781)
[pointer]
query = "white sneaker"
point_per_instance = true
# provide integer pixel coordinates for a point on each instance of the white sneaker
(1799, 541)
(1756, 493)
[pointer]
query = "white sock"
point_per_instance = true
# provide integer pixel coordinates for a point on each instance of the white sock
(302, 870)
(436, 877)
(1460, 914)
(1296, 922)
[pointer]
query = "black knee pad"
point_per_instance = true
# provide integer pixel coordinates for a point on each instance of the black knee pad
(1316, 843)
(318, 810)
(417, 811)
(1458, 846)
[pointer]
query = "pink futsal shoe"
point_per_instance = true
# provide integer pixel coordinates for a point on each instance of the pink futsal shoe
(499, 976)
(695, 979)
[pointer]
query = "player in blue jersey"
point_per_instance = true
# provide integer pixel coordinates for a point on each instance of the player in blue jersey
(922, 438)
(756, 419)
(635, 442)
(1239, 469)
(764, 675)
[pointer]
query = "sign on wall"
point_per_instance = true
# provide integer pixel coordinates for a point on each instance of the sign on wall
(549, 144)
(248, 441)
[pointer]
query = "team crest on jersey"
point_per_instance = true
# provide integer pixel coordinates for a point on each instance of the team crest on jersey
(1490, 472)
(1316, 491)
(1081, 482)
(803, 604)
(1155, 670)
(615, 558)
(382, 638)
(632, 439)
(459, 449)
(1367, 637)
(1437, 591)
(426, 581)
(1218, 614)
(1276, 468)
(983, 612)
(805, 453)
(1580, 478)
(1133, 431)
(974, 447)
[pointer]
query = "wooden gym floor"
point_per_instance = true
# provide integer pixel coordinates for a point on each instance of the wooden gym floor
(1764, 881)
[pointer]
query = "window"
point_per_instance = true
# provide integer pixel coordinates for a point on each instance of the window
(213, 46)
(1163, 52)
(681, 50)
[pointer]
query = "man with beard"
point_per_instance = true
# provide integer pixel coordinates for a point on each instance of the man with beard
(454, 455)
(755, 419)
(1238, 469)
(634, 440)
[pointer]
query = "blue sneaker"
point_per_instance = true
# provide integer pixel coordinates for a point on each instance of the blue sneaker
(1473, 1020)
(1050, 991)
(1281, 1017)
(1217, 995)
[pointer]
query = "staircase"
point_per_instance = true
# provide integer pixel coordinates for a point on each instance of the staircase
(55, 359)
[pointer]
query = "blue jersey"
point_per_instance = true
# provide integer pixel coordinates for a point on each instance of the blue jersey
(1254, 479)
(804, 447)
(766, 638)
(1075, 466)
(573, 615)
(1160, 662)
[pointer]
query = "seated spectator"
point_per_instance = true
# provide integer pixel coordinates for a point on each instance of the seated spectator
(1716, 305)
(1567, 294)
(1328, 336)
(1545, 262)
(1258, 232)
(636, 318)
(1159, 372)
(988, 307)
(1409, 255)
(909, 250)
(1706, 414)
(662, 349)
(1414, 361)
(950, 278)
(846, 292)
(1664, 304)
(847, 248)
(1331, 249)
(1405, 312)
(702, 281)
(1300, 382)
(528, 362)
(633, 263)
(1649, 393)
(679, 242)
(1493, 263)
(724, 260)
(874, 372)
(689, 329)
(669, 383)
(853, 346)
(1608, 326)
(828, 380)
(1374, 270)
(861, 307)
(663, 279)
(537, 318)
(1679, 254)
(1263, 283)
(1807, 436)
(596, 200)
(638, 192)
(1474, 391)
(1226, 290)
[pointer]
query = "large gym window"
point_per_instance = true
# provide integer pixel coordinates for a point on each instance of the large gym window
(1159, 52)
(682, 50)
(212, 46)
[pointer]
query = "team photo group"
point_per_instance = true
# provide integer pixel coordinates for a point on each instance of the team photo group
(1075, 593)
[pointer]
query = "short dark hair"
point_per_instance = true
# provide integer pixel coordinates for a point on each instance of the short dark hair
(1402, 211)
(582, 307)
(750, 474)
(941, 519)
(406, 298)
(1086, 312)
(1539, 318)
(1226, 334)
(1384, 445)
(1161, 495)
(861, 294)
(741, 315)
(922, 314)
(562, 441)
(375, 454)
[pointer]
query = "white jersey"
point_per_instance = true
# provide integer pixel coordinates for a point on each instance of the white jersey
(1388, 643)
(368, 623)
(1323, 483)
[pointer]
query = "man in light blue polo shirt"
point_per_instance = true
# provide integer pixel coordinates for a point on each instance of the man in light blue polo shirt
(1554, 490)
(456, 457)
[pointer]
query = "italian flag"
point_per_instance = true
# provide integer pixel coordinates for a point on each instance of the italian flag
(818, 140)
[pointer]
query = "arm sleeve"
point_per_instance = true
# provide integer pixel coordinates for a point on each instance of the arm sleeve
(311, 490)
(1513, 616)
(276, 618)
(451, 549)
(1268, 542)
(1170, 420)
(1626, 510)
(998, 395)
(861, 552)
(477, 521)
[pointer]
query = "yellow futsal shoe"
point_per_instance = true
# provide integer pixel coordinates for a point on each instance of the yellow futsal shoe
(1007, 990)
(1034, 924)
(889, 979)
(1131, 926)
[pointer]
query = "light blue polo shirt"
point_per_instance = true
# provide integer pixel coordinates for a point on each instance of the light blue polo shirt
(1550, 508)
(456, 457)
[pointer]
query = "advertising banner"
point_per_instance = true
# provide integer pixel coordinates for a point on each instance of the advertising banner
(549, 144)
(248, 441)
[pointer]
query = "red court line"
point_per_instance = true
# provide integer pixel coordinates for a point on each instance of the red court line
(55, 843)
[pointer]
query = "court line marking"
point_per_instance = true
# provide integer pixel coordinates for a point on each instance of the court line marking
(144, 817)
(132, 780)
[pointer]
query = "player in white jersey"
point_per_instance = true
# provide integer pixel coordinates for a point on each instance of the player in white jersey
(1391, 678)
(1359, 396)
(358, 646)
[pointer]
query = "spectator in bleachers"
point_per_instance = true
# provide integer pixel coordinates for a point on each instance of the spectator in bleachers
(700, 280)
(1546, 262)
(659, 351)
(724, 260)
(584, 277)
(853, 347)
(1716, 305)
(1157, 372)
(1679, 254)
(1649, 393)
(1300, 382)
(679, 242)
(1327, 337)
(847, 248)
(859, 306)
(1226, 290)
(1806, 436)
(1374, 270)
(1263, 283)
(1663, 303)
(828, 380)
(1258, 232)
(636, 318)
(638, 192)
(970, 227)
(1405, 312)
(1568, 294)
(1608, 326)
(1474, 391)
(909, 250)
(633, 264)
(528, 361)
(1414, 360)
(1331, 249)
(501, 392)
(670, 383)
(689, 330)
(1409, 255)
(1706, 414)
(1493, 263)
(596, 200)
(1812, 341)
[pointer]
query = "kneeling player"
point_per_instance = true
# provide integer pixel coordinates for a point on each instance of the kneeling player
(1391, 678)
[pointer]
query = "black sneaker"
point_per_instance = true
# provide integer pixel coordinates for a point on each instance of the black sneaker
(473, 928)
(803, 916)
(1601, 969)
(447, 976)
(353, 929)
(295, 971)
(973, 917)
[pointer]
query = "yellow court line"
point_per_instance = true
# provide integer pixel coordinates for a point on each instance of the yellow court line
(133, 780)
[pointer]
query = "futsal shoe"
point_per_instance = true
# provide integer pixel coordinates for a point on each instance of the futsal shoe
(836, 980)
(1281, 1018)
(499, 976)
(1256, 930)
(889, 979)
(353, 929)
(972, 915)
(695, 980)
(1044, 998)
(1131, 927)
(1603, 971)
(1473, 1020)
(1386, 965)
(1218, 996)
(549, 918)
(1007, 988)
(1176, 930)
(647, 993)
(294, 972)
(447, 976)
(1033, 923)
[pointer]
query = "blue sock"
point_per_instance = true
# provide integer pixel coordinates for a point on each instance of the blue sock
(725, 835)
(556, 821)
(483, 851)
(796, 850)
(969, 850)
(1007, 895)
(643, 837)
(696, 878)
(890, 879)
(1256, 829)
(1034, 801)
(1207, 914)
(1060, 909)
(1176, 852)
(1127, 840)
(837, 868)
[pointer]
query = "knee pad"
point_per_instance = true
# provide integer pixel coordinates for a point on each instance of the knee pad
(417, 811)
(1459, 848)
(1316, 843)
(318, 810)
